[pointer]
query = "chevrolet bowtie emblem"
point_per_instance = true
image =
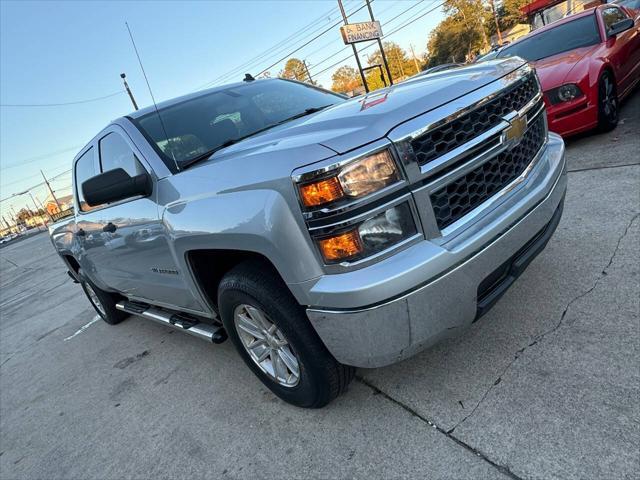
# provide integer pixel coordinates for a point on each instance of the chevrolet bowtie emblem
(516, 130)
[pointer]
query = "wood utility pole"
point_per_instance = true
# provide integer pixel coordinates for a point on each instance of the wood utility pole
(306, 68)
(495, 18)
(415, 60)
(355, 51)
(51, 191)
(384, 57)
(126, 87)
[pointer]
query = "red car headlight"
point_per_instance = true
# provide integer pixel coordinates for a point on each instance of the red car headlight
(564, 93)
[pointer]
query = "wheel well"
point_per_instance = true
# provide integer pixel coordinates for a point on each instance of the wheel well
(209, 266)
(72, 262)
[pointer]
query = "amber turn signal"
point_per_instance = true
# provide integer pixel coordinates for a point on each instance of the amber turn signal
(321, 192)
(341, 246)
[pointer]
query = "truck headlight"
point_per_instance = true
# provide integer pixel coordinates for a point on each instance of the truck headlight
(564, 93)
(353, 180)
(369, 237)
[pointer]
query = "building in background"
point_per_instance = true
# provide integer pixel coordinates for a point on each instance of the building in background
(511, 34)
(543, 12)
(52, 207)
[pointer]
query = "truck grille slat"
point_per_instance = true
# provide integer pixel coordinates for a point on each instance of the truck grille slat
(453, 201)
(443, 139)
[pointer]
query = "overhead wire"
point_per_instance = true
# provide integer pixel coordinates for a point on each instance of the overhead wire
(274, 49)
(406, 24)
(62, 104)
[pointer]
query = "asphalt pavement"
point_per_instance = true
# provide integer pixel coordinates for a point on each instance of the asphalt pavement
(546, 385)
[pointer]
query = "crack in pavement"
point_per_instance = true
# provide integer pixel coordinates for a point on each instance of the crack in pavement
(538, 338)
(501, 468)
(15, 264)
(603, 167)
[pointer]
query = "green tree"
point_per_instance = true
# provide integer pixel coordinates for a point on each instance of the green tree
(509, 13)
(345, 79)
(400, 64)
(294, 69)
(462, 34)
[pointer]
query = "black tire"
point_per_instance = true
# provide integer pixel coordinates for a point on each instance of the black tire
(321, 377)
(106, 300)
(608, 103)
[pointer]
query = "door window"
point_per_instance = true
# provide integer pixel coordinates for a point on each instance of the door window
(116, 153)
(85, 169)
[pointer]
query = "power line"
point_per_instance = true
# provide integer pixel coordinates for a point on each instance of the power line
(307, 43)
(386, 23)
(39, 157)
(77, 102)
(277, 51)
(273, 48)
(406, 24)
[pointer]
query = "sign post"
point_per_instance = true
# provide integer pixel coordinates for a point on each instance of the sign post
(355, 52)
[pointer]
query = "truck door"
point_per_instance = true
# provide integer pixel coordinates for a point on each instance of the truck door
(126, 242)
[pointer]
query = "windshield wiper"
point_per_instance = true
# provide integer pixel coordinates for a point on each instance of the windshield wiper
(231, 141)
(304, 113)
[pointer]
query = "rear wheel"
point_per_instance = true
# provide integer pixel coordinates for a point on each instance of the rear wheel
(275, 339)
(104, 303)
(608, 104)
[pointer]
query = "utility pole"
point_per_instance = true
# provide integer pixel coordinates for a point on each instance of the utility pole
(51, 191)
(384, 57)
(304, 62)
(495, 18)
(399, 62)
(355, 51)
(6, 223)
(415, 60)
(37, 208)
(126, 86)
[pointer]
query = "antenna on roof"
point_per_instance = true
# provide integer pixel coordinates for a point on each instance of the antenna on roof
(248, 77)
(164, 130)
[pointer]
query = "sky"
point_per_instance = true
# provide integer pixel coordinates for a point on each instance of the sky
(58, 52)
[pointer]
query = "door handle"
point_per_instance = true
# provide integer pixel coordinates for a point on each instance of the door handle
(109, 227)
(80, 233)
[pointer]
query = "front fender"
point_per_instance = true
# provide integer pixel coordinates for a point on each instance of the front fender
(258, 221)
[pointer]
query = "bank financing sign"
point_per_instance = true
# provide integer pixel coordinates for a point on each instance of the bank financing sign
(361, 32)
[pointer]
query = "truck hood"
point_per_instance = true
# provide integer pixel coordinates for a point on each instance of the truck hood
(362, 120)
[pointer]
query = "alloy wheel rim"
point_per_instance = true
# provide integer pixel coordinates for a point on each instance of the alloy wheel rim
(609, 103)
(266, 345)
(94, 299)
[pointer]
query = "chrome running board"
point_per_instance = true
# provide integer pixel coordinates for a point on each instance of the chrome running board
(188, 324)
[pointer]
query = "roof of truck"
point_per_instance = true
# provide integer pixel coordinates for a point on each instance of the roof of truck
(173, 101)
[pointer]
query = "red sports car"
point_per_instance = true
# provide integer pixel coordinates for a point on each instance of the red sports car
(586, 63)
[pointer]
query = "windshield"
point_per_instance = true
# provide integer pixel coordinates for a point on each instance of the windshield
(581, 32)
(205, 123)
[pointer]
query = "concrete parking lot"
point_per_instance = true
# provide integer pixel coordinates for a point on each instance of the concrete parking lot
(545, 386)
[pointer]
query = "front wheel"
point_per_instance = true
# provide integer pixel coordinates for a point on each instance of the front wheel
(103, 302)
(608, 104)
(275, 339)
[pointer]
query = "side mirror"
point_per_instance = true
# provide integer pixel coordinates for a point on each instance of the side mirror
(115, 185)
(620, 27)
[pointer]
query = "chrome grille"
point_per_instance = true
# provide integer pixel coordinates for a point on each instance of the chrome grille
(464, 194)
(444, 139)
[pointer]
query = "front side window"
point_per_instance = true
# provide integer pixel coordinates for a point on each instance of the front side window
(189, 129)
(581, 32)
(85, 169)
(116, 153)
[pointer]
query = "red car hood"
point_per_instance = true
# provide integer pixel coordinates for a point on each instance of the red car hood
(554, 71)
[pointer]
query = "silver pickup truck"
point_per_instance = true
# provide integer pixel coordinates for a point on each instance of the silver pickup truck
(319, 233)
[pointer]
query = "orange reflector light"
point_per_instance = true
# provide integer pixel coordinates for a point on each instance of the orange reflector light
(318, 193)
(341, 246)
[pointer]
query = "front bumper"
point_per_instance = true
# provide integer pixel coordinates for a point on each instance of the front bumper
(391, 310)
(573, 117)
